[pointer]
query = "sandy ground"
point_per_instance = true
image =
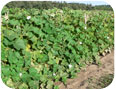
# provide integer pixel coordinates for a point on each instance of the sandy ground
(96, 71)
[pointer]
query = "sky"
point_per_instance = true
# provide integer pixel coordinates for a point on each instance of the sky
(93, 2)
(85, 2)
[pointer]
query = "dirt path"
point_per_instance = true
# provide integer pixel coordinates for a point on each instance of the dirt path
(107, 67)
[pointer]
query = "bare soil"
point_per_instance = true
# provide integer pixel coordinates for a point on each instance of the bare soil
(91, 71)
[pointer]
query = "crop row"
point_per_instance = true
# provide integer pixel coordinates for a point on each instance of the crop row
(40, 47)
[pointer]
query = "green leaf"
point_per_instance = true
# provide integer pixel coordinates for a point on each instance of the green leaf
(64, 79)
(21, 63)
(30, 34)
(3, 55)
(81, 23)
(6, 41)
(33, 39)
(43, 78)
(32, 71)
(55, 67)
(25, 77)
(6, 71)
(35, 30)
(80, 48)
(42, 58)
(49, 84)
(51, 62)
(77, 58)
(14, 22)
(34, 84)
(16, 78)
(56, 87)
(19, 44)
(17, 54)
(11, 35)
(23, 86)
(11, 57)
(27, 62)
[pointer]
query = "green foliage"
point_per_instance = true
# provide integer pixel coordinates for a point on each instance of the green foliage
(51, 45)
(60, 5)
(19, 44)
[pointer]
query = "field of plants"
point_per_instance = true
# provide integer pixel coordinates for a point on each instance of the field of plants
(41, 47)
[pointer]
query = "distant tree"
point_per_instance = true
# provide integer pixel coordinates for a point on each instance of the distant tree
(50, 4)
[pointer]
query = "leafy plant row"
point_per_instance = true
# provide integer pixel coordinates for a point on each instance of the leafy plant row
(41, 47)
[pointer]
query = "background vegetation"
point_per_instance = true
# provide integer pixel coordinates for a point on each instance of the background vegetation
(60, 5)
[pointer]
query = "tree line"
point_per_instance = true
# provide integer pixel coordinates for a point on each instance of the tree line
(51, 4)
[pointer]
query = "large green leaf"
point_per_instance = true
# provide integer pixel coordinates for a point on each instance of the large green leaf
(19, 44)
(11, 35)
